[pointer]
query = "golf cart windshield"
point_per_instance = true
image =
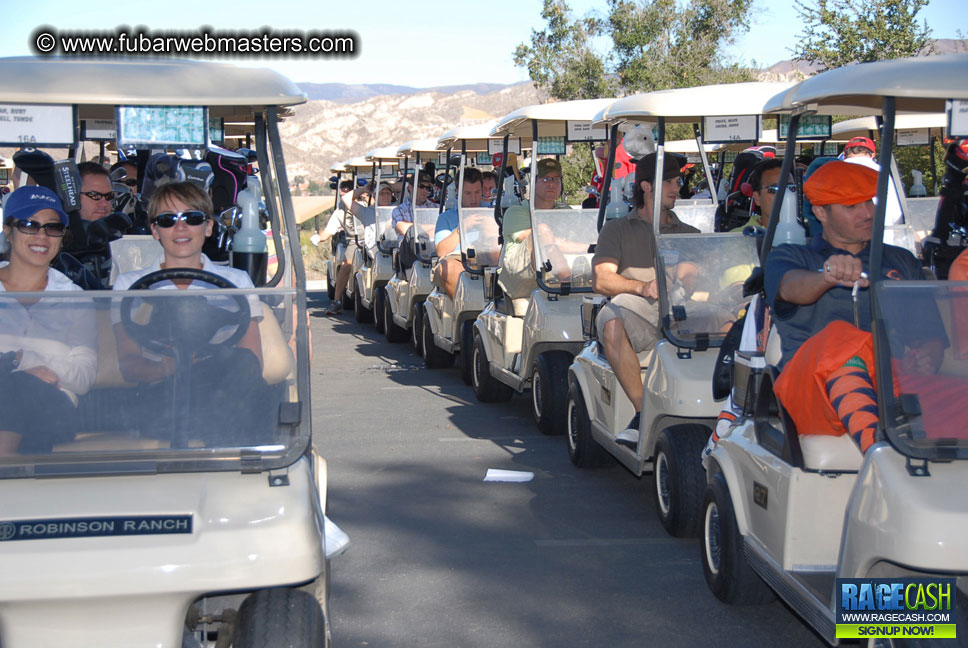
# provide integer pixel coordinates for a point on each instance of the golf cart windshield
(562, 240)
(705, 275)
(479, 237)
(928, 399)
(151, 381)
(386, 236)
(424, 222)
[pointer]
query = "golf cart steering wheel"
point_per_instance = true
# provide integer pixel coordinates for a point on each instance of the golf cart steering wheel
(185, 325)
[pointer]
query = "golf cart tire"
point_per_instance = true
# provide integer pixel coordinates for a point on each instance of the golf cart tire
(362, 314)
(487, 388)
(393, 332)
(680, 479)
(728, 575)
(416, 328)
(280, 618)
(549, 392)
(434, 357)
(379, 304)
(583, 450)
(330, 286)
(466, 351)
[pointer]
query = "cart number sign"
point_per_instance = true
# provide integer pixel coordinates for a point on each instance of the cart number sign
(957, 118)
(94, 527)
(723, 130)
(497, 145)
(583, 131)
(34, 125)
(897, 608)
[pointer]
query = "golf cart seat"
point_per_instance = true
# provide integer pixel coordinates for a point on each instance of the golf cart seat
(830, 453)
(519, 307)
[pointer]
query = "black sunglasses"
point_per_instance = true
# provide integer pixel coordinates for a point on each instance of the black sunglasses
(425, 187)
(193, 217)
(55, 230)
(131, 182)
(97, 195)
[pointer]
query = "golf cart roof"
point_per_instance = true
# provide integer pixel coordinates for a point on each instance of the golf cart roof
(920, 84)
(551, 117)
(864, 126)
(426, 145)
(692, 104)
(386, 154)
(339, 167)
(474, 137)
(146, 82)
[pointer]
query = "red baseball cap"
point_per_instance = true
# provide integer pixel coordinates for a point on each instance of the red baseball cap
(866, 142)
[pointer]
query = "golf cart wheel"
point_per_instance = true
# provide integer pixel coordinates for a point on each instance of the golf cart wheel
(393, 332)
(549, 391)
(362, 314)
(466, 351)
(486, 387)
(680, 479)
(583, 450)
(434, 357)
(280, 618)
(729, 576)
(416, 328)
(330, 286)
(379, 308)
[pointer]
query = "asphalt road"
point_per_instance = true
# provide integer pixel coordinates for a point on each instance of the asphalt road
(440, 558)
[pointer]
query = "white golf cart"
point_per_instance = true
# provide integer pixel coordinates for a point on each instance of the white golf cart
(924, 129)
(338, 242)
(360, 170)
(411, 283)
(802, 511)
(678, 410)
(446, 323)
(524, 341)
(165, 515)
(379, 242)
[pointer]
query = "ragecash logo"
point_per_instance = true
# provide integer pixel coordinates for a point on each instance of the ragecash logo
(896, 608)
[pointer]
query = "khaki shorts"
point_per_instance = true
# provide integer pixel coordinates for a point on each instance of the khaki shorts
(640, 318)
(516, 272)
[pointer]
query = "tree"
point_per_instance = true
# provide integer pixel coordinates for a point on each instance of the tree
(560, 59)
(314, 188)
(841, 32)
(660, 44)
(657, 44)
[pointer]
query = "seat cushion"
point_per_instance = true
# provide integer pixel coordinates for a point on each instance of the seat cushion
(827, 452)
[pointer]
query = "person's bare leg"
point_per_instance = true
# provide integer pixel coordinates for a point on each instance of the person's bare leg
(624, 362)
(451, 275)
(9, 442)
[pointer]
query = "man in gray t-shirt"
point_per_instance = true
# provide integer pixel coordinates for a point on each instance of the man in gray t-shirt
(623, 268)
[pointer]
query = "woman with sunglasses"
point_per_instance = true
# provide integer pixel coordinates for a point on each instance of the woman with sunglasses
(179, 214)
(47, 345)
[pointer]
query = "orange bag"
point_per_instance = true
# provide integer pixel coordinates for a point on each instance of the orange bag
(802, 385)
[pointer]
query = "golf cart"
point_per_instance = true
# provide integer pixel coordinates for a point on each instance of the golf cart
(337, 242)
(361, 172)
(918, 207)
(678, 410)
(411, 283)
(379, 242)
(793, 512)
(527, 338)
(446, 323)
(202, 525)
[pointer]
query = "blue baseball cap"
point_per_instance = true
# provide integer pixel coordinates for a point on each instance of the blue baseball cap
(24, 202)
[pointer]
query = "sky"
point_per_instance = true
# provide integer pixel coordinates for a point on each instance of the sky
(421, 43)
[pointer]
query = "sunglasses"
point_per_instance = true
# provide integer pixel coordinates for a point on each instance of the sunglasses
(550, 180)
(425, 187)
(194, 217)
(55, 230)
(97, 195)
(772, 189)
(131, 182)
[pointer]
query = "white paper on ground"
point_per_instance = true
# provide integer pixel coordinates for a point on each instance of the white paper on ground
(496, 474)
